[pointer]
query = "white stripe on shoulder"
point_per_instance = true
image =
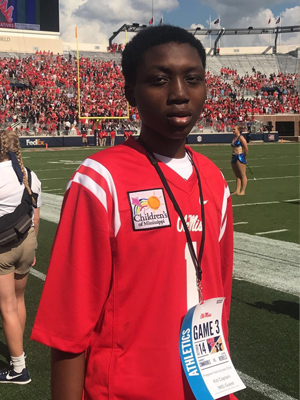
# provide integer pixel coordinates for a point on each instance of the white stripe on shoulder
(92, 186)
(97, 190)
(224, 208)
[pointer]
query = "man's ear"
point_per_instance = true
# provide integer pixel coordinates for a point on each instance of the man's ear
(129, 94)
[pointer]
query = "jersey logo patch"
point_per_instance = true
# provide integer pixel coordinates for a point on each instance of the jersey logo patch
(148, 209)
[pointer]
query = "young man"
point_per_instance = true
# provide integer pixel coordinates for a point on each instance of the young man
(112, 309)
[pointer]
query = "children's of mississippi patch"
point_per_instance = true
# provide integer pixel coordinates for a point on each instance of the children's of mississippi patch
(148, 209)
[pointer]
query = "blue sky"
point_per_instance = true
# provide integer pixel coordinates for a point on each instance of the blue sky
(98, 19)
(193, 12)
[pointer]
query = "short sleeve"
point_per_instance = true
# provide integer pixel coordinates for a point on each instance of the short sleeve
(79, 274)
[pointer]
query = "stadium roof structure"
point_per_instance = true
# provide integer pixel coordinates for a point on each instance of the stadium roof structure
(219, 32)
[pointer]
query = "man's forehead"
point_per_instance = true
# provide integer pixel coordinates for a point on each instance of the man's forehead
(163, 57)
(167, 50)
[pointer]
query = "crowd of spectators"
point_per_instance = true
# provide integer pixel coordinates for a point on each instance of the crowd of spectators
(116, 48)
(41, 91)
(236, 99)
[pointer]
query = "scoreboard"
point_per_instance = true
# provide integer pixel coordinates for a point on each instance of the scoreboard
(39, 15)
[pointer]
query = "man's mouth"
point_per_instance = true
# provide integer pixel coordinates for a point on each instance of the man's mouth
(179, 118)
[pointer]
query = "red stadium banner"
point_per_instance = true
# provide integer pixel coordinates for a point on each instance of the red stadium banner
(7, 11)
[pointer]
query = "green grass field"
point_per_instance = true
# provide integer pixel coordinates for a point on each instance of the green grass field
(265, 311)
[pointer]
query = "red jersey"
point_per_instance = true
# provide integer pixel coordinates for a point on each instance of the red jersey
(121, 296)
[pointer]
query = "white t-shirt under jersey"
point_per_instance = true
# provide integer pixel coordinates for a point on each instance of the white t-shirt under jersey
(182, 166)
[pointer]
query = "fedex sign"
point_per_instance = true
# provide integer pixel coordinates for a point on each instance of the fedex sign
(35, 142)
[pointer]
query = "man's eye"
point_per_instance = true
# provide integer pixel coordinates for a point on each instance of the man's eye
(159, 80)
(194, 79)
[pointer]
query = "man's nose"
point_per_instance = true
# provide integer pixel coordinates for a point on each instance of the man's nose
(178, 91)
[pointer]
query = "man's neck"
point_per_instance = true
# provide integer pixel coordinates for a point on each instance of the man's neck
(164, 146)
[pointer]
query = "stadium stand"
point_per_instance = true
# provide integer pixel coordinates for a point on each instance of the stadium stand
(38, 92)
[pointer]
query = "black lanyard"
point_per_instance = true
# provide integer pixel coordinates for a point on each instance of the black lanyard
(196, 260)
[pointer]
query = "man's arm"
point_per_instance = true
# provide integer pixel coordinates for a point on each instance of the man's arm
(67, 375)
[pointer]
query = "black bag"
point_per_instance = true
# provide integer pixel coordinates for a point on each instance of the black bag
(15, 225)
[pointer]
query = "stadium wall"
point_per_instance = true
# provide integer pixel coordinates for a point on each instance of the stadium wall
(256, 50)
(21, 41)
(193, 138)
(86, 47)
(292, 122)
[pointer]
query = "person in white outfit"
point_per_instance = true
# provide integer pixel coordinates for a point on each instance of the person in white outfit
(20, 201)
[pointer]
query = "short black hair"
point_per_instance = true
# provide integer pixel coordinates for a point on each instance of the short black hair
(154, 36)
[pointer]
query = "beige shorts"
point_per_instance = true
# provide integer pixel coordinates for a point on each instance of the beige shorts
(18, 258)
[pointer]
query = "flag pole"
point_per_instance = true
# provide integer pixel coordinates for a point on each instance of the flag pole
(152, 13)
(78, 74)
(220, 36)
(210, 32)
(280, 30)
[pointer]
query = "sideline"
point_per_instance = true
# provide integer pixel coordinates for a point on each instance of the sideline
(265, 203)
(263, 388)
(268, 178)
(267, 262)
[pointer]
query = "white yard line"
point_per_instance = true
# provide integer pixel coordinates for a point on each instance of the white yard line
(269, 178)
(256, 204)
(50, 210)
(51, 190)
(267, 262)
(272, 158)
(223, 157)
(240, 223)
(54, 169)
(288, 201)
(54, 179)
(262, 203)
(266, 233)
(37, 274)
(263, 388)
(263, 166)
